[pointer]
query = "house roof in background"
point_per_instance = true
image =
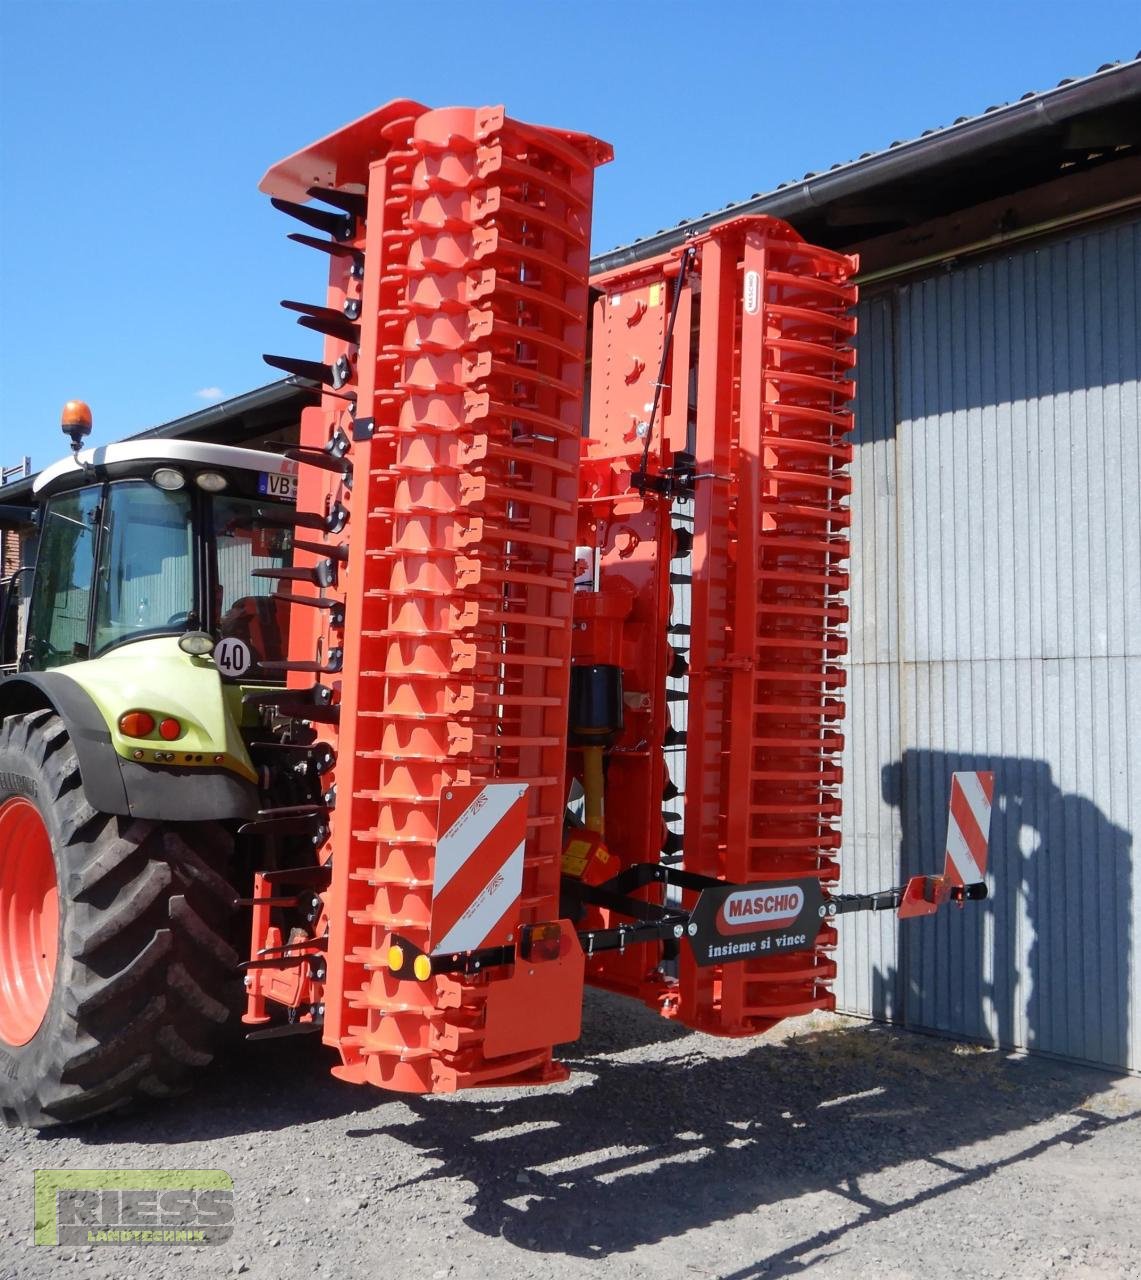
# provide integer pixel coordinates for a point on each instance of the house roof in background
(1006, 148)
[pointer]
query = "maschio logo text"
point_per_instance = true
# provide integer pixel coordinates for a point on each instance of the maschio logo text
(756, 909)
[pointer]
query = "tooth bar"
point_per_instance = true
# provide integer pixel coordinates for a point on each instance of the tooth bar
(473, 232)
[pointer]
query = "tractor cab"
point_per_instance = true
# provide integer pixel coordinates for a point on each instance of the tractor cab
(151, 539)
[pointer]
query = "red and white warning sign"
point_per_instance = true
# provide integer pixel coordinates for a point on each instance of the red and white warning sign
(968, 836)
(478, 876)
(968, 829)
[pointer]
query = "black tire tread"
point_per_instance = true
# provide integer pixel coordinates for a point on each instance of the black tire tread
(146, 948)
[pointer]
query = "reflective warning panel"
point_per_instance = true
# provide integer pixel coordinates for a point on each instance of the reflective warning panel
(735, 922)
(479, 866)
(968, 827)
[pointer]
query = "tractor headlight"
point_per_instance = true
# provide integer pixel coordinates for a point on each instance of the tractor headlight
(211, 481)
(196, 643)
(169, 478)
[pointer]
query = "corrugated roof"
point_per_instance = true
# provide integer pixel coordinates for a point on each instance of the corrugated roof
(1112, 82)
(227, 411)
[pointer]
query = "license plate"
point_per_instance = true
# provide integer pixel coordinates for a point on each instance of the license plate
(273, 485)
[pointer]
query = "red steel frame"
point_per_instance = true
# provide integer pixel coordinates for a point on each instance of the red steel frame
(774, 359)
(770, 362)
(463, 404)
(625, 621)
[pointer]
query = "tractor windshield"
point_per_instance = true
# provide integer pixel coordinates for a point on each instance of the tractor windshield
(146, 579)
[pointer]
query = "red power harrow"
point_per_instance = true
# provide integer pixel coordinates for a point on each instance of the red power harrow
(508, 639)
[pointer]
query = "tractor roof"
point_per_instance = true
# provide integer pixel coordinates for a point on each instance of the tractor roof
(132, 457)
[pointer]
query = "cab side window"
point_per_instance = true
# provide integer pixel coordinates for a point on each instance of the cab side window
(247, 606)
(61, 599)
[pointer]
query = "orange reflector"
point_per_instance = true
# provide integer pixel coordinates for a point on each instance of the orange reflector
(544, 941)
(422, 968)
(170, 729)
(136, 724)
(396, 958)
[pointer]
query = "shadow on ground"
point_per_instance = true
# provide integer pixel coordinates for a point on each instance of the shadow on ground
(660, 1136)
(269, 1085)
(650, 1150)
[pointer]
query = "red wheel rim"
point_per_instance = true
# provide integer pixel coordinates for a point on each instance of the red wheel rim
(29, 920)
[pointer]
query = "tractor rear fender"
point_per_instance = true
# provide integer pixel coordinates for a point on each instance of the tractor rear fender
(114, 785)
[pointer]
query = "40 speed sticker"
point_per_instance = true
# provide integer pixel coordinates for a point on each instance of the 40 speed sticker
(740, 921)
(233, 656)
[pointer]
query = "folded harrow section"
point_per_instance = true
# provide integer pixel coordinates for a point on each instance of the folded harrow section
(470, 248)
(770, 546)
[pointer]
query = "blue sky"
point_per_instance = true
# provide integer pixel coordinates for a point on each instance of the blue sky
(140, 269)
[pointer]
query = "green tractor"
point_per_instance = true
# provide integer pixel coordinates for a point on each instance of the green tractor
(140, 747)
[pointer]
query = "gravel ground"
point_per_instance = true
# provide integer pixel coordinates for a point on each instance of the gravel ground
(831, 1147)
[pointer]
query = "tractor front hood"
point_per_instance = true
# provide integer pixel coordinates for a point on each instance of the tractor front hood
(202, 772)
(156, 677)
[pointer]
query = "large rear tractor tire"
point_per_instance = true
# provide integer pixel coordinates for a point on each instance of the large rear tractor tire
(116, 968)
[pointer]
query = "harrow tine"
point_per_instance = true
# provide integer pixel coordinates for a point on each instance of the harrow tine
(323, 573)
(338, 225)
(336, 324)
(286, 1028)
(334, 248)
(348, 201)
(334, 522)
(321, 668)
(334, 375)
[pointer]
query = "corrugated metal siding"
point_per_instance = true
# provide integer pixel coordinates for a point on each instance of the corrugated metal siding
(871, 827)
(997, 623)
